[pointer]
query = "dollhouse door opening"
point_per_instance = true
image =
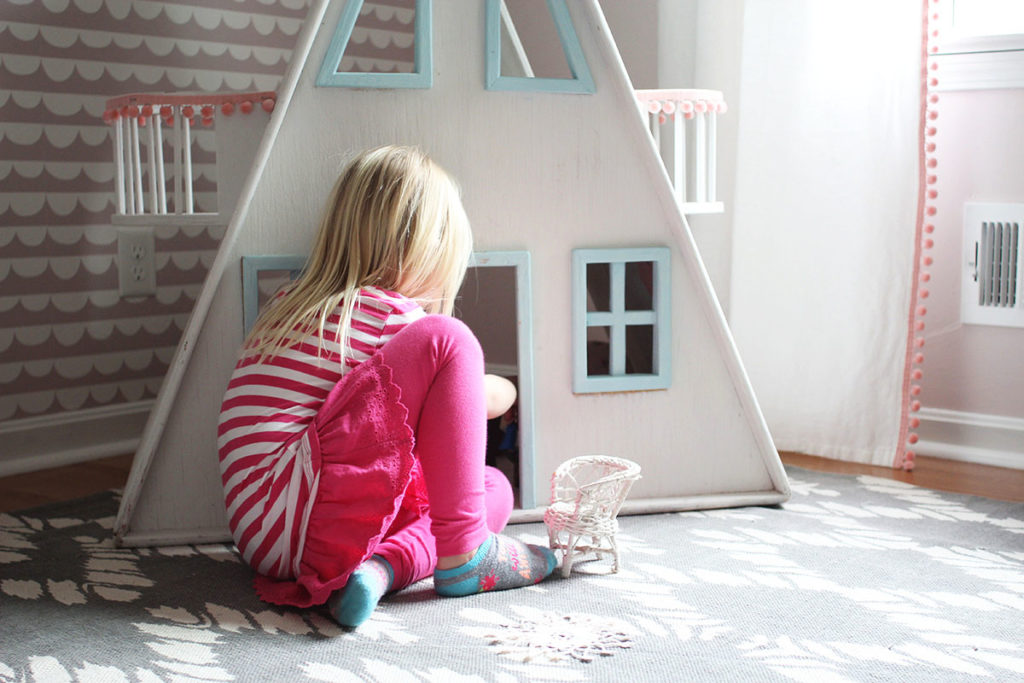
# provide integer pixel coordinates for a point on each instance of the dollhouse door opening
(495, 303)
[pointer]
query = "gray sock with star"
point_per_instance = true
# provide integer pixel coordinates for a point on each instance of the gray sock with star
(499, 563)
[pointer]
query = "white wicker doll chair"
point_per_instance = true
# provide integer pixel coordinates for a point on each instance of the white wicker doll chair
(586, 495)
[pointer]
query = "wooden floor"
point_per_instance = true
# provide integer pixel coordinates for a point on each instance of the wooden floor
(23, 491)
(931, 473)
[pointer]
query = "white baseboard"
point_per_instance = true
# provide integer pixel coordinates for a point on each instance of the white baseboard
(971, 437)
(38, 443)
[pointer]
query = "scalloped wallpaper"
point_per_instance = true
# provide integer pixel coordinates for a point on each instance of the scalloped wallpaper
(68, 342)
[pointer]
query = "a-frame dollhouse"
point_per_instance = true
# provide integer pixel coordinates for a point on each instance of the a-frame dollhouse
(620, 346)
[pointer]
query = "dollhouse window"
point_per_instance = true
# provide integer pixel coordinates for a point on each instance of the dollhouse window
(262, 277)
(621, 323)
(531, 47)
(380, 45)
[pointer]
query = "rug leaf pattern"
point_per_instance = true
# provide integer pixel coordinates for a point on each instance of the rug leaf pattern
(854, 579)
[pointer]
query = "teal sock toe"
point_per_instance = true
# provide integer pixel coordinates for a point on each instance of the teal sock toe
(551, 558)
(500, 563)
(353, 604)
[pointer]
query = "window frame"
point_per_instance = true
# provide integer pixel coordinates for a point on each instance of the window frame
(976, 62)
(582, 81)
(422, 75)
(618, 318)
(251, 268)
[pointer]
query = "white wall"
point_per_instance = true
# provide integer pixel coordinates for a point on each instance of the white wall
(636, 30)
(672, 44)
(718, 53)
(972, 372)
(971, 383)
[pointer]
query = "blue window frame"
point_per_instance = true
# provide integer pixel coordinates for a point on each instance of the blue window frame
(523, 325)
(423, 70)
(621, 320)
(581, 81)
(275, 270)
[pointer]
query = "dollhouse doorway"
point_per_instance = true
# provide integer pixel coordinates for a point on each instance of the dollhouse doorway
(495, 302)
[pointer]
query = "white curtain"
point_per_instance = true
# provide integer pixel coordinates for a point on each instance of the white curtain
(825, 211)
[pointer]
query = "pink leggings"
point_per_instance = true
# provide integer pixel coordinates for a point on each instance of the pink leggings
(438, 364)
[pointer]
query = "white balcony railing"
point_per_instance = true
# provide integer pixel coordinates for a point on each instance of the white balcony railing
(684, 125)
(154, 135)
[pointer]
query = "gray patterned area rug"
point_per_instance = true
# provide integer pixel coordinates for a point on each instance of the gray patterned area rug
(855, 579)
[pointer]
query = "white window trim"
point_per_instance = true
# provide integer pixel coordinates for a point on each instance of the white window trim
(977, 62)
(980, 70)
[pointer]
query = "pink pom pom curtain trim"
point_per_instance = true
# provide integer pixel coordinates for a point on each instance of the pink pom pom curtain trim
(905, 455)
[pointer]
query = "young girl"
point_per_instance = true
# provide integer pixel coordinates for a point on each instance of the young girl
(352, 434)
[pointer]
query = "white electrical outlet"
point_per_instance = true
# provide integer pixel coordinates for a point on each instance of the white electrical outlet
(136, 261)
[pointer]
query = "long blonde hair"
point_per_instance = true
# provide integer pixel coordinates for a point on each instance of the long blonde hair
(393, 220)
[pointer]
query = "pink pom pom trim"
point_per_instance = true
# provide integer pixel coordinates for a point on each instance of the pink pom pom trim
(143, 106)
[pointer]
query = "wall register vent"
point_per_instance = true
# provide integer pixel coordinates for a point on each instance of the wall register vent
(992, 291)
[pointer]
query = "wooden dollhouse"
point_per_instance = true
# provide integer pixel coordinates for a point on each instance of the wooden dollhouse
(597, 301)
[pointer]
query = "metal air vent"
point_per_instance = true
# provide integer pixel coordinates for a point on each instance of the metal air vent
(991, 290)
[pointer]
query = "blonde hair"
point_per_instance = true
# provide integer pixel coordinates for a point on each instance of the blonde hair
(393, 220)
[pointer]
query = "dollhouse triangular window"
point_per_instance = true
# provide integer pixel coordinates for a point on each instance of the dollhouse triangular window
(380, 45)
(530, 49)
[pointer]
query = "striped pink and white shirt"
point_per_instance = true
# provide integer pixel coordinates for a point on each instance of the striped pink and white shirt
(266, 469)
